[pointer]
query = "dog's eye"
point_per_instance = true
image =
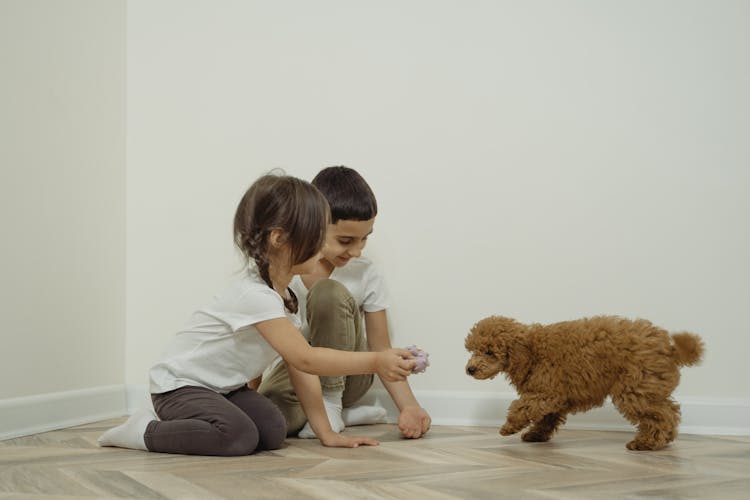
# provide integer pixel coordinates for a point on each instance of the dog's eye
(489, 353)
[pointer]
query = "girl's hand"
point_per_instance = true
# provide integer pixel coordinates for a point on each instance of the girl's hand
(394, 365)
(343, 441)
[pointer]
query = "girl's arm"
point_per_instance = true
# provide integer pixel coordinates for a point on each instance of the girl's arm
(310, 397)
(413, 420)
(392, 365)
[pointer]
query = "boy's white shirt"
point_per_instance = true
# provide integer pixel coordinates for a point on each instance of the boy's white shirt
(219, 348)
(360, 276)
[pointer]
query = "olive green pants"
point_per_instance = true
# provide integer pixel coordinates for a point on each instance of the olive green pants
(335, 322)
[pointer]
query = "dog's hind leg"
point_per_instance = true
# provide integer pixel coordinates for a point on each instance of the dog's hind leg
(658, 426)
(657, 420)
(643, 396)
(543, 429)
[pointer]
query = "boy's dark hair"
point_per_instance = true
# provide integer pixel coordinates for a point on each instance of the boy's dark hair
(280, 202)
(348, 194)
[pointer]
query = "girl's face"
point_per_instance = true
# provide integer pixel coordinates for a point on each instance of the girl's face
(345, 240)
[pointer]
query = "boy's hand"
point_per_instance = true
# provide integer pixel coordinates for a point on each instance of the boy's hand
(394, 365)
(414, 422)
(343, 441)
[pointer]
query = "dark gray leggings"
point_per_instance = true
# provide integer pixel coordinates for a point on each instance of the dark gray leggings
(199, 421)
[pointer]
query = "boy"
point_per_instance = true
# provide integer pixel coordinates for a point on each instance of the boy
(332, 302)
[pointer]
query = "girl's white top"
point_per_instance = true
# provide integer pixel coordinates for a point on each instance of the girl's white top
(363, 280)
(219, 348)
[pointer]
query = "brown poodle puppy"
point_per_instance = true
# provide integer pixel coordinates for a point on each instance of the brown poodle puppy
(573, 366)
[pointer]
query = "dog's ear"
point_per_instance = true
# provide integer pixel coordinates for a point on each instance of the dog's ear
(499, 350)
(520, 357)
(519, 348)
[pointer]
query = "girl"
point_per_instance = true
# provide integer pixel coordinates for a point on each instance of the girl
(199, 387)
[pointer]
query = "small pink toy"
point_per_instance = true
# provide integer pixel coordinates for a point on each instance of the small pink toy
(420, 357)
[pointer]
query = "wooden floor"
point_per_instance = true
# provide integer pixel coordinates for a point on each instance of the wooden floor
(450, 463)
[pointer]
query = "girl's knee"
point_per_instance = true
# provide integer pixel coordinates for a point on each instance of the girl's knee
(272, 427)
(241, 440)
(273, 435)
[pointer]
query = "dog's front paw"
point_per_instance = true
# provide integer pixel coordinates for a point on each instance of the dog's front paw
(535, 436)
(507, 430)
(641, 445)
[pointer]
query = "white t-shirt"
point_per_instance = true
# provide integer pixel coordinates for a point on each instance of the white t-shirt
(363, 280)
(219, 348)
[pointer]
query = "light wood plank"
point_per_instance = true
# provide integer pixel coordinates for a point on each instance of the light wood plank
(449, 463)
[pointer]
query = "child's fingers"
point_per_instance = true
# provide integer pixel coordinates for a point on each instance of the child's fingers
(393, 367)
(407, 365)
(361, 440)
(403, 370)
(403, 353)
(399, 374)
(357, 441)
(345, 441)
(426, 423)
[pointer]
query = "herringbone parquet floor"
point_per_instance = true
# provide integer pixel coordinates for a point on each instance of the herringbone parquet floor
(450, 463)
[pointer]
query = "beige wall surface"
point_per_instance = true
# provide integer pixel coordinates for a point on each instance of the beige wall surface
(62, 207)
(542, 160)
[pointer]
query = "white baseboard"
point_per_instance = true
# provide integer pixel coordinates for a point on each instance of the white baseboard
(699, 416)
(45, 412)
(729, 417)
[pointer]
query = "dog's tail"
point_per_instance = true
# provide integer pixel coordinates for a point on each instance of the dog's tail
(688, 348)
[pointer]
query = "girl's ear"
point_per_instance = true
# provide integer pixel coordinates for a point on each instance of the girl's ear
(277, 239)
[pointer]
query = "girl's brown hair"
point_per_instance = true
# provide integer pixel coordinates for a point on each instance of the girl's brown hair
(286, 203)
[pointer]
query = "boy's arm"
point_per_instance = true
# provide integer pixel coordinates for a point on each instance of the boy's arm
(413, 420)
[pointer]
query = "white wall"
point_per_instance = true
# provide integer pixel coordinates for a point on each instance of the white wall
(543, 160)
(62, 207)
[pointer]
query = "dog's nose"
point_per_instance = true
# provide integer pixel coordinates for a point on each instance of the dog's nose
(471, 370)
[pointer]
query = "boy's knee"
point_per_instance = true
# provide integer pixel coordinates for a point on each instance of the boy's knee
(327, 294)
(328, 291)
(333, 316)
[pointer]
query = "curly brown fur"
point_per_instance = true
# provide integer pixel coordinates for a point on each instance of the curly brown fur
(572, 366)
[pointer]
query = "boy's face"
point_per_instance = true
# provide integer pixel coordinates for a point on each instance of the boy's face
(345, 240)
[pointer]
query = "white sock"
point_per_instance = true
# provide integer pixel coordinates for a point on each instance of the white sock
(129, 434)
(333, 406)
(363, 415)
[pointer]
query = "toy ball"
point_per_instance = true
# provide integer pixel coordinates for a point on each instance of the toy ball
(421, 357)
